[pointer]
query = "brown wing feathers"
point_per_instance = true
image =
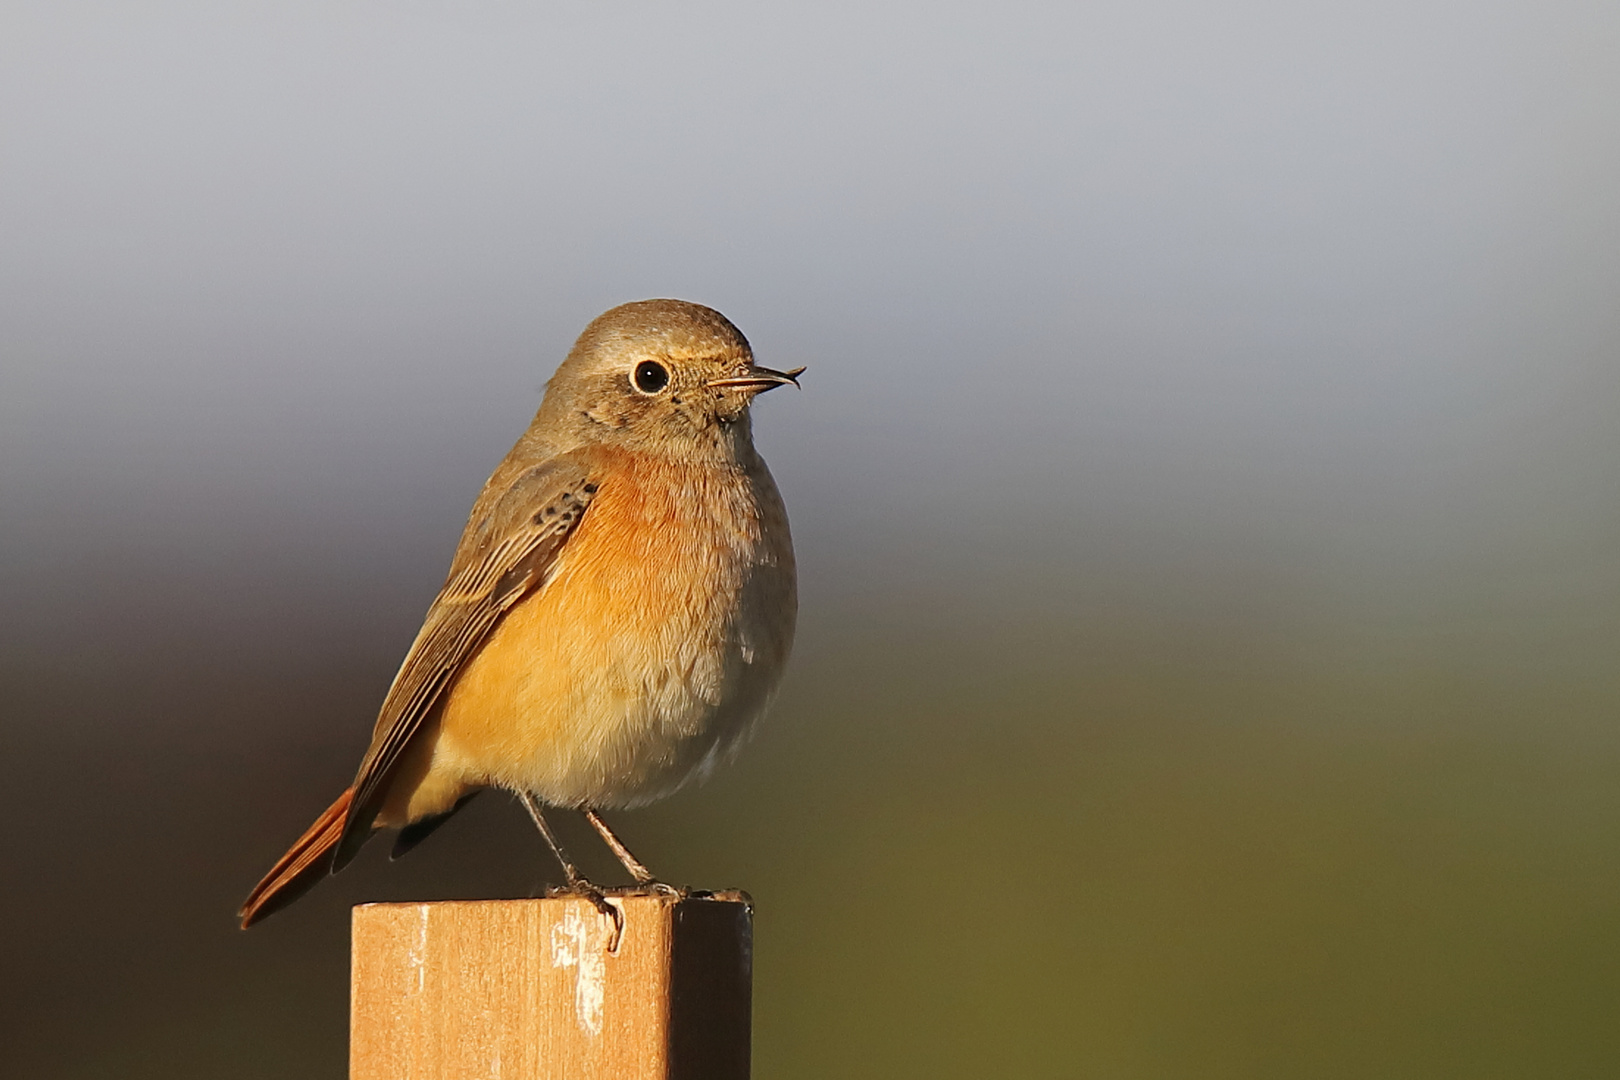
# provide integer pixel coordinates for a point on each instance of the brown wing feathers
(507, 553)
(468, 607)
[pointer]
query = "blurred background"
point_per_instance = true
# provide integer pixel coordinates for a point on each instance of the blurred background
(1205, 486)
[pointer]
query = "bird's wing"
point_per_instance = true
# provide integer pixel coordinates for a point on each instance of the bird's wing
(507, 553)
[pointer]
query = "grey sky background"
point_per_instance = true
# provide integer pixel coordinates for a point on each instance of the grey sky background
(1323, 295)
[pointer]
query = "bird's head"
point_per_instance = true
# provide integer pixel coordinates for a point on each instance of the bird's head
(659, 376)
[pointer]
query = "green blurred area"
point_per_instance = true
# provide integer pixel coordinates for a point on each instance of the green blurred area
(1051, 866)
(1139, 847)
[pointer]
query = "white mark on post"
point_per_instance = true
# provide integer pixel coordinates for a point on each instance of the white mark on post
(578, 942)
(418, 953)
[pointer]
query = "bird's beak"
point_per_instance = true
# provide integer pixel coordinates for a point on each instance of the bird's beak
(759, 379)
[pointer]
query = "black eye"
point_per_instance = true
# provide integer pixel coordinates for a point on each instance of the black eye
(650, 377)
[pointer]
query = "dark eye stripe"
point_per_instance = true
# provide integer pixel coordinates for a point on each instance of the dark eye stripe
(650, 377)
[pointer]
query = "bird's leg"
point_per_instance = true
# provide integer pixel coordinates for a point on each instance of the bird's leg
(577, 883)
(569, 870)
(637, 869)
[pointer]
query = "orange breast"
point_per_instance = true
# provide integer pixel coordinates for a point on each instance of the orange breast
(659, 637)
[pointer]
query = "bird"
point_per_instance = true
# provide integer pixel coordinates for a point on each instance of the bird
(617, 614)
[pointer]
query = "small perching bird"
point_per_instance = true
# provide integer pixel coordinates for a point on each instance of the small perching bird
(617, 614)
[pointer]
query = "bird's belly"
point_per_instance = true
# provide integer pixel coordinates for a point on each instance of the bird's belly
(636, 667)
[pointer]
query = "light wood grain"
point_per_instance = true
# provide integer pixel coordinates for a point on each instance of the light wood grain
(530, 989)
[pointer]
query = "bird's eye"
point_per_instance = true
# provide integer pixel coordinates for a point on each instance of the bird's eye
(650, 377)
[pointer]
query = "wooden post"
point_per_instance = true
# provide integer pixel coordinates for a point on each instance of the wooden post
(531, 989)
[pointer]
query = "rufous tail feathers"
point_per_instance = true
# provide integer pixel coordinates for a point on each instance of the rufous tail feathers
(306, 862)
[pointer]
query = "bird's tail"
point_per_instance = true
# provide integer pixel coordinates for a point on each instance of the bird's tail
(306, 862)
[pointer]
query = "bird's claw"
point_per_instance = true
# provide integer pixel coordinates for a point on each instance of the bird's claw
(663, 888)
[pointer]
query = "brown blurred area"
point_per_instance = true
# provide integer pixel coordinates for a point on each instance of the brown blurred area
(1153, 841)
(1204, 485)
